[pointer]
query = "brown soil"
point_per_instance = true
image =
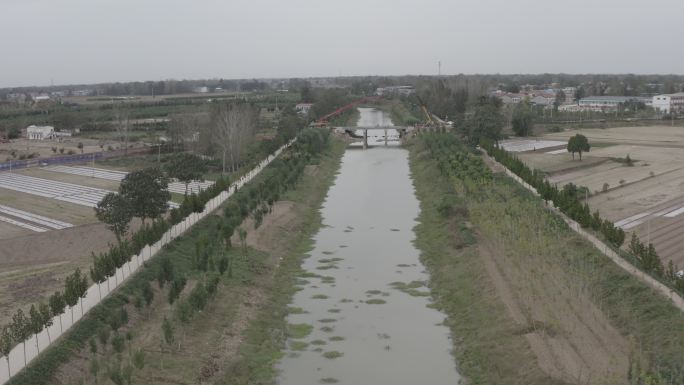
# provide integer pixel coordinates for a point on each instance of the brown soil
(47, 207)
(34, 266)
(654, 183)
(266, 237)
(54, 246)
(44, 147)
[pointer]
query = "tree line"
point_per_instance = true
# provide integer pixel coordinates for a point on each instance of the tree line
(569, 200)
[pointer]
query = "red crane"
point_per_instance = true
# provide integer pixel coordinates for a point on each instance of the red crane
(324, 120)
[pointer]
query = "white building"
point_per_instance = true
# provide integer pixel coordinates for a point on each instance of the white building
(569, 107)
(544, 99)
(669, 102)
(395, 90)
(570, 94)
(303, 108)
(40, 132)
(609, 103)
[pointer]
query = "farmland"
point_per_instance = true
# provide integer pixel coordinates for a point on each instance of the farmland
(642, 195)
(48, 227)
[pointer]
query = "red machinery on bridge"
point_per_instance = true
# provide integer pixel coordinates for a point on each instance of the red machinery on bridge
(323, 122)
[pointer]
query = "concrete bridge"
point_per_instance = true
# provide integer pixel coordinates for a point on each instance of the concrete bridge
(351, 131)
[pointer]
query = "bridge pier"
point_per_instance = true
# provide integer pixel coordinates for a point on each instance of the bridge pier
(385, 137)
(365, 138)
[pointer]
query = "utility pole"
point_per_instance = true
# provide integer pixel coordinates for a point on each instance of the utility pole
(439, 68)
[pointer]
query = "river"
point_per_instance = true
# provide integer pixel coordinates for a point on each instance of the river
(368, 303)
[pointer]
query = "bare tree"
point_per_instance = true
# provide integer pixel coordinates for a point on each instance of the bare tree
(122, 123)
(183, 128)
(234, 127)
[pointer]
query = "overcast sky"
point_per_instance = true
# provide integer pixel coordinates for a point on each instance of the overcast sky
(92, 41)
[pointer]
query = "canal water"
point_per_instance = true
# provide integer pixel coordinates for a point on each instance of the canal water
(363, 313)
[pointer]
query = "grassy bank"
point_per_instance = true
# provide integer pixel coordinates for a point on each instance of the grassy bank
(487, 344)
(528, 300)
(266, 336)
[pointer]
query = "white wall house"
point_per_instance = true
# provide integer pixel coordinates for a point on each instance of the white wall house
(669, 102)
(40, 132)
(544, 99)
(608, 103)
(303, 108)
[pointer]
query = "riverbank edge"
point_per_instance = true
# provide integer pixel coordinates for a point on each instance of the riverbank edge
(486, 342)
(266, 336)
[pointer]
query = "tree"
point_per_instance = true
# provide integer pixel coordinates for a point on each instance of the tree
(523, 119)
(35, 324)
(20, 329)
(122, 124)
(94, 367)
(115, 211)
(167, 329)
(147, 293)
(45, 318)
(560, 99)
(484, 122)
(57, 305)
(6, 344)
(147, 192)
(234, 126)
(243, 240)
(76, 286)
(305, 93)
(139, 359)
(578, 143)
(186, 168)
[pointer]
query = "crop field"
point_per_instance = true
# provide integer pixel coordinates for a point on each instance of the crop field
(645, 196)
(47, 148)
(517, 145)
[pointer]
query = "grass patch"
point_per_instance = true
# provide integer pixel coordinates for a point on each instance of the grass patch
(327, 329)
(327, 320)
(327, 279)
(296, 310)
(411, 288)
(376, 301)
(329, 380)
(336, 338)
(330, 260)
(319, 296)
(308, 274)
(331, 355)
(298, 345)
(318, 342)
(299, 330)
(334, 310)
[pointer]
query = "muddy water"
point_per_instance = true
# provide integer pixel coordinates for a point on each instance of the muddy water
(368, 304)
